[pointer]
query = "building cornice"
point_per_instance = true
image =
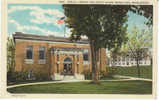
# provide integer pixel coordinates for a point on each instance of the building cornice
(50, 42)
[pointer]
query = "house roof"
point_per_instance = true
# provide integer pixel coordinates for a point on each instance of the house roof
(20, 35)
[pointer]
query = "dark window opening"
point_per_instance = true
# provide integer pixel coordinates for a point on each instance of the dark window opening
(29, 52)
(57, 57)
(85, 55)
(41, 52)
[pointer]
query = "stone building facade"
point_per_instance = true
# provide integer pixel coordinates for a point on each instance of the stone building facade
(56, 56)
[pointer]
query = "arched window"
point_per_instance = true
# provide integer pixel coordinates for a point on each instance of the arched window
(67, 59)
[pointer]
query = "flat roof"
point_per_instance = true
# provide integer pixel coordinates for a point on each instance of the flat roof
(24, 36)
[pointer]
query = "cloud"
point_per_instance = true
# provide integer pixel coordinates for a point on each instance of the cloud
(18, 8)
(35, 28)
(68, 32)
(36, 9)
(19, 27)
(41, 16)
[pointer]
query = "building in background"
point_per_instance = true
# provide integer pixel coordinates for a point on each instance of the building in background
(128, 61)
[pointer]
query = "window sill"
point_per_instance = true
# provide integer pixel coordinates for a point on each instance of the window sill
(29, 61)
(42, 61)
(86, 62)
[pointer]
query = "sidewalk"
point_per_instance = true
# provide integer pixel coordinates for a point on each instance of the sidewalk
(133, 78)
(47, 82)
(128, 78)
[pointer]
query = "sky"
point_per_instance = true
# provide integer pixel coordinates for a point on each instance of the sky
(41, 19)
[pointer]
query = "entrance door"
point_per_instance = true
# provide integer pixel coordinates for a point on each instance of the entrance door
(67, 69)
(67, 66)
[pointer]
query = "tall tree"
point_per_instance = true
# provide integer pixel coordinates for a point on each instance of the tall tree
(114, 53)
(104, 25)
(138, 45)
(10, 55)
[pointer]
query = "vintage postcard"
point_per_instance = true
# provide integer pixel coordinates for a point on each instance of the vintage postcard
(70, 49)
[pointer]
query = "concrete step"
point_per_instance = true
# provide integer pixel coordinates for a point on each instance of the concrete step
(69, 77)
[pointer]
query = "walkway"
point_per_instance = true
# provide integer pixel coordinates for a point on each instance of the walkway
(127, 78)
(132, 78)
(47, 82)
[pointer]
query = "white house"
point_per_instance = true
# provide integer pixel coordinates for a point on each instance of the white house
(128, 61)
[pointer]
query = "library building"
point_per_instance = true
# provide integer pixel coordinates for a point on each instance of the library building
(59, 57)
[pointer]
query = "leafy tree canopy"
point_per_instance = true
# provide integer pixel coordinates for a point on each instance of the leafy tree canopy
(138, 41)
(103, 24)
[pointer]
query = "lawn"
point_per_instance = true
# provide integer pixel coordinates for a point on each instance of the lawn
(146, 71)
(124, 87)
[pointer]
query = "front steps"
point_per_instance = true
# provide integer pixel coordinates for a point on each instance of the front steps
(69, 77)
(57, 76)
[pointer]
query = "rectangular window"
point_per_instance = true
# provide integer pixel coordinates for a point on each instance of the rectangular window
(85, 55)
(41, 52)
(29, 52)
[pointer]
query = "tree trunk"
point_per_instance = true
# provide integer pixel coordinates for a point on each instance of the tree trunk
(138, 67)
(94, 63)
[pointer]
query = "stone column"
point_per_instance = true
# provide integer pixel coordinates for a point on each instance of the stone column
(103, 59)
(55, 64)
(74, 64)
(80, 63)
(60, 63)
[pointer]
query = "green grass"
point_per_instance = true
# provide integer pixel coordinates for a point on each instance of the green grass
(125, 87)
(112, 78)
(146, 71)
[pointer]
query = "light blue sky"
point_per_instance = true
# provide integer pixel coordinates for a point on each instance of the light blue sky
(42, 19)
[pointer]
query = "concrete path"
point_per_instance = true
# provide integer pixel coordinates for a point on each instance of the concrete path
(47, 82)
(128, 78)
(132, 78)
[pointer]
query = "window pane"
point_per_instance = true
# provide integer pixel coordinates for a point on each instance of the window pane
(29, 52)
(85, 55)
(41, 52)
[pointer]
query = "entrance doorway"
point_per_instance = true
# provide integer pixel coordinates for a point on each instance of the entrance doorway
(67, 69)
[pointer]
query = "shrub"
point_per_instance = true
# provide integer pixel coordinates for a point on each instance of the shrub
(87, 74)
(102, 74)
(41, 76)
(16, 76)
(111, 71)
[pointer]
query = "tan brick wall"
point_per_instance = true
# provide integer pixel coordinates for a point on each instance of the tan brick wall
(102, 56)
(21, 56)
(51, 59)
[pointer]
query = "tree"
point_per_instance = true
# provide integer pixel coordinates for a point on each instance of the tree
(10, 55)
(114, 53)
(138, 45)
(102, 24)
